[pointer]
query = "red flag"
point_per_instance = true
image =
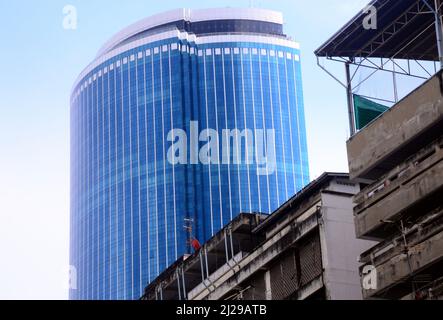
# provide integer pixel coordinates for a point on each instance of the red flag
(196, 244)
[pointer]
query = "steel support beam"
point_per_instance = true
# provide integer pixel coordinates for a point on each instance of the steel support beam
(436, 10)
(350, 97)
(439, 31)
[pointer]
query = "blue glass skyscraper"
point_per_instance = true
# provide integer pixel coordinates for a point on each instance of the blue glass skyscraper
(184, 117)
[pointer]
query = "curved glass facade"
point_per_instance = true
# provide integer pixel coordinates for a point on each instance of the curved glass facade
(172, 129)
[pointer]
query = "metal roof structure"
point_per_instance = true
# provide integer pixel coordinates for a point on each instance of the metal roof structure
(405, 30)
(409, 30)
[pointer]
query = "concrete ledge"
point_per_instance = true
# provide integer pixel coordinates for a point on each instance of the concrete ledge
(371, 222)
(395, 275)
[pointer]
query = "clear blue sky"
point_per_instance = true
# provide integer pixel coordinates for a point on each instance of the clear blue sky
(39, 62)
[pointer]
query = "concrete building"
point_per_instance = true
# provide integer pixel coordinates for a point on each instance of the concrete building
(403, 206)
(398, 157)
(305, 250)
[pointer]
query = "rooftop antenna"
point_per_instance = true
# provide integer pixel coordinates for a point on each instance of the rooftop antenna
(191, 241)
(188, 229)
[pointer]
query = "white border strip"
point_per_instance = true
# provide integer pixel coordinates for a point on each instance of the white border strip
(184, 35)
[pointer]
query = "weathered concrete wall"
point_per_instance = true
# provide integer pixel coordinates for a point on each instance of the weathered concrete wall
(340, 248)
(398, 127)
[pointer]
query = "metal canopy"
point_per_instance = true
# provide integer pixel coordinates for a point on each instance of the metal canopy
(405, 30)
(409, 30)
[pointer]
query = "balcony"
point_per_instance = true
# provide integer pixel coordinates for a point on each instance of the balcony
(403, 130)
(407, 192)
(408, 262)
